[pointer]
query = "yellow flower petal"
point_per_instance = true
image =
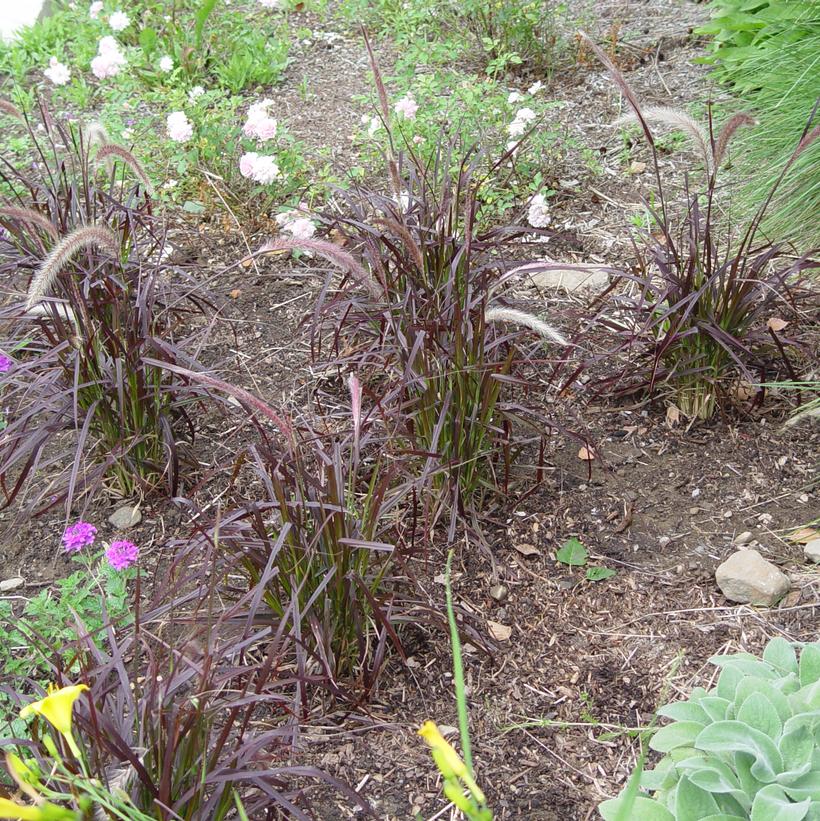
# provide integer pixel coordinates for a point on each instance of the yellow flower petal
(56, 707)
(446, 753)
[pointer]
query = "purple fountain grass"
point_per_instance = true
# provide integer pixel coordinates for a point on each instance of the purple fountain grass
(108, 152)
(62, 253)
(31, 217)
(522, 318)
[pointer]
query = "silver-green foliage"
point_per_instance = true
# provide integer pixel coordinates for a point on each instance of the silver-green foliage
(748, 749)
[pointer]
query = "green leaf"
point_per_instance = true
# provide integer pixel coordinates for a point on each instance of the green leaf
(735, 736)
(193, 207)
(692, 802)
(597, 574)
(641, 809)
(148, 40)
(679, 734)
(809, 664)
(573, 553)
(772, 804)
(758, 712)
(755, 685)
(780, 653)
(685, 711)
(710, 773)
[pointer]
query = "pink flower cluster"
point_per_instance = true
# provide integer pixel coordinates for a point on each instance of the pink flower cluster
(259, 125)
(179, 127)
(122, 554)
(258, 168)
(109, 59)
(407, 107)
(57, 72)
(78, 536)
(296, 224)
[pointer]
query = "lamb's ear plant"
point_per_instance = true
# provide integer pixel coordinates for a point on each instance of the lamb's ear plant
(746, 749)
(694, 310)
(95, 301)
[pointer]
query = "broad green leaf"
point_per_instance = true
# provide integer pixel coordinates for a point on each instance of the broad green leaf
(685, 711)
(724, 817)
(806, 787)
(573, 553)
(735, 736)
(780, 653)
(758, 712)
(796, 746)
(709, 773)
(728, 681)
(642, 809)
(772, 804)
(597, 574)
(679, 734)
(663, 777)
(691, 802)
(745, 664)
(755, 685)
(148, 40)
(715, 707)
(810, 664)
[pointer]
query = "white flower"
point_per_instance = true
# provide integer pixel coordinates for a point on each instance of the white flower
(525, 115)
(515, 97)
(166, 64)
(179, 128)
(375, 125)
(57, 72)
(271, 4)
(127, 133)
(296, 224)
(538, 214)
(119, 20)
(108, 45)
(170, 184)
(109, 59)
(195, 93)
(407, 107)
(535, 88)
(516, 128)
(94, 9)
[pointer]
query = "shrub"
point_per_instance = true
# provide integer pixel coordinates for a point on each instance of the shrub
(698, 299)
(100, 300)
(766, 52)
(747, 748)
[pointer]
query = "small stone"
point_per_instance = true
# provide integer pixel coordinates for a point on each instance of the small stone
(499, 592)
(664, 541)
(11, 584)
(747, 577)
(124, 517)
(812, 551)
(693, 511)
(743, 538)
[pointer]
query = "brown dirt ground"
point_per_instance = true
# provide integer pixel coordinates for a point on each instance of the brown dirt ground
(661, 507)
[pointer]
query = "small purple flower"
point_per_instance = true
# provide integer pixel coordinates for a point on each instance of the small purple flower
(5, 363)
(122, 554)
(78, 536)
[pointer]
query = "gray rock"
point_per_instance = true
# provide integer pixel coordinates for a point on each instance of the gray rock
(812, 551)
(743, 538)
(124, 517)
(11, 584)
(499, 592)
(747, 577)
(572, 280)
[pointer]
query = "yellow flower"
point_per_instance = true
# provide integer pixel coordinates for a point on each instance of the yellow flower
(447, 759)
(43, 812)
(56, 707)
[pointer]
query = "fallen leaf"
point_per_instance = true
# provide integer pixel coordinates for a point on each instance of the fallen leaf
(500, 632)
(235, 293)
(776, 324)
(804, 535)
(637, 167)
(527, 550)
(790, 599)
(672, 416)
(586, 454)
(626, 521)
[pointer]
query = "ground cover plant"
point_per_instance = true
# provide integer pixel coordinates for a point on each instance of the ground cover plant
(746, 749)
(767, 54)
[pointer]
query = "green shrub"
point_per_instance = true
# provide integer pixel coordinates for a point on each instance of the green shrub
(746, 749)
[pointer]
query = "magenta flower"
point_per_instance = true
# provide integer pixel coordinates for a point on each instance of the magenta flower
(122, 554)
(5, 363)
(78, 536)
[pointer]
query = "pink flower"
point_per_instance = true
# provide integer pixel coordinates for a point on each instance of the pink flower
(78, 536)
(296, 224)
(270, 4)
(109, 59)
(259, 124)
(265, 170)
(538, 214)
(119, 20)
(407, 107)
(179, 128)
(246, 163)
(108, 45)
(122, 554)
(57, 72)
(94, 9)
